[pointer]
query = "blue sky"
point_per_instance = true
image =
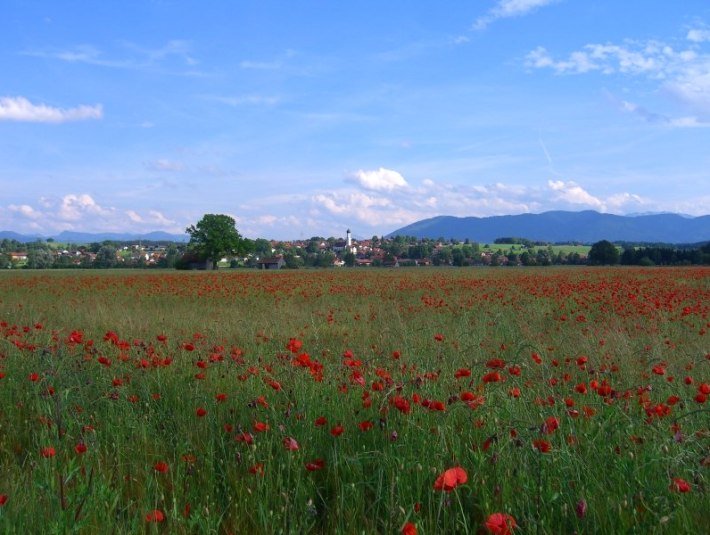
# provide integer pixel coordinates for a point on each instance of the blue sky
(306, 118)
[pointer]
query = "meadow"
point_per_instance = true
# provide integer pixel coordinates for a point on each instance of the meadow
(424, 400)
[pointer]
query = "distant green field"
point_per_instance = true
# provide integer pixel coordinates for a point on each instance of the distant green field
(506, 248)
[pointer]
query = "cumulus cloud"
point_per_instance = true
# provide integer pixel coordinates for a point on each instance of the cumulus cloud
(75, 207)
(22, 110)
(509, 8)
(380, 179)
(572, 193)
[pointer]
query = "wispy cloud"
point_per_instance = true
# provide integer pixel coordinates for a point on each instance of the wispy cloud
(681, 73)
(509, 8)
(80, 211)
(22, 110)
(698, 35)
(268, 65)
(163, 164)
(129, 56)
(656, 118)
(247, 100)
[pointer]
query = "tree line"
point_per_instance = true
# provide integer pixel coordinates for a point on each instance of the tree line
(215, 237)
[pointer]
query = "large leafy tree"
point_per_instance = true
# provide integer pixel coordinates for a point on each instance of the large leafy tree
(214, 236)
(603, 253)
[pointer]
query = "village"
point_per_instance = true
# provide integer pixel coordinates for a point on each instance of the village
(266, 254)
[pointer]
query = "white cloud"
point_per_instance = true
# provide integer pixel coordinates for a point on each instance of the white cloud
(21, 109)
(572, 193)
(74, 207)
(658, 118)
(368, 209)
(682, 74)
(509, 8)
(380, 179)
(163, 164)
(698, 35)
(692, 87)
(133, 216)
(249, 100)
(135, 56)
(81, 212)
(26, 211)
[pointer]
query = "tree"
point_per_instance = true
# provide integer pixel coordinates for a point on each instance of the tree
(603, 253)
(349, 259)
(214, 236)
(106, 257)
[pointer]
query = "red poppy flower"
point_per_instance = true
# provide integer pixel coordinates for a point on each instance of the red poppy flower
(48, 452)
(500, 524)
(679, 485)
(161, 466)
(366, 425)
(257, 469)
(337, 430)
(321, 420)
(247, 438)
(3, 499)
(402, 404)
(315, 464)
(551, 424)
(492, 377)
(294, 345)
(450, 479)
(462, 372)
(543, 446)
(156, 515)
(439, 337)
(260, 427)
(80, 448)
(34, 377)
(221, 397)
(200, 412)
(409, 529)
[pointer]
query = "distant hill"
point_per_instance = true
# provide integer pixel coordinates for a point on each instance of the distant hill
(86, 237)
(559, 226)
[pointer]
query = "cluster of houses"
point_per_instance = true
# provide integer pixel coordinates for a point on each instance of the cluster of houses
(82, 256)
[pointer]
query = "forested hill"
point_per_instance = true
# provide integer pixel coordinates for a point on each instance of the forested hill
(559, 226)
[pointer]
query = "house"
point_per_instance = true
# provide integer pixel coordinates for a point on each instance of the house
(275, 262)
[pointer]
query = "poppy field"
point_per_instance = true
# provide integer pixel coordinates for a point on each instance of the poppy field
(486, 400)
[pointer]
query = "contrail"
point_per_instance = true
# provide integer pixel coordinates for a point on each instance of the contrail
(550, 163)
(544, 149)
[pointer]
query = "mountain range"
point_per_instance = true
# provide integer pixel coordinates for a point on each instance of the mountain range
(87, 237)
(560, 226)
